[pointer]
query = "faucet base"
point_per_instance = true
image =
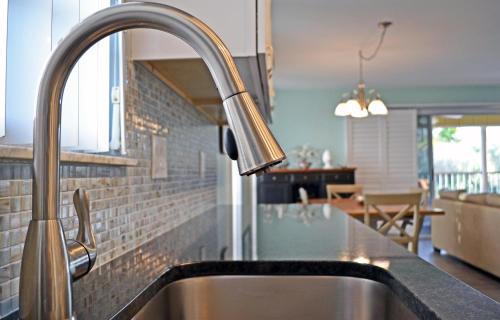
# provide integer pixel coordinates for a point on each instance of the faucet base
(45, 285)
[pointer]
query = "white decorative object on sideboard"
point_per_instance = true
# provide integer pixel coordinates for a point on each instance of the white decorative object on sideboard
(327, 159)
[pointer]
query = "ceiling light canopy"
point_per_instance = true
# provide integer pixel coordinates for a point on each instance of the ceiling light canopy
(355, 103)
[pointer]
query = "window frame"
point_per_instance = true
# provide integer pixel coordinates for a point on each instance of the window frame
(85, 121)
(4, 16)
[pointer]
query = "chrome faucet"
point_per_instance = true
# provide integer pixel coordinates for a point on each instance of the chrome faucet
(51, 263)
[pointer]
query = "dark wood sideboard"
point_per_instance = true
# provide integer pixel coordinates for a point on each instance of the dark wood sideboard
(282, 185)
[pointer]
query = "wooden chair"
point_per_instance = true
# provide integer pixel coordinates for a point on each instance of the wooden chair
(424, 198)
(304, 197)
(334, 190)
(424, 201)
(410, 202)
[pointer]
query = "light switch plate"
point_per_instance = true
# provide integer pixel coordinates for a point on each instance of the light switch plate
(159, 157)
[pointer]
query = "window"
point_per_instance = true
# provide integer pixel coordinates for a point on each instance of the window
(467, 152)
(85, 111)
(423, 147)
(3, 62)
(85, 118)
(384, 149)
(493, 158)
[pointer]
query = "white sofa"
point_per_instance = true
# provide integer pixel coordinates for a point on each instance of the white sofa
(470, 229)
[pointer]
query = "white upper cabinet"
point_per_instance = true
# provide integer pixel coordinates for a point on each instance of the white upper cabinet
(233, 20)
(243, 25)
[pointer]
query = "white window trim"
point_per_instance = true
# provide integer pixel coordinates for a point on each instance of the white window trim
(3, 61)
(85, 112)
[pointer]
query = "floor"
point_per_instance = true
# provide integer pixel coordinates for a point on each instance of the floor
(479, 280)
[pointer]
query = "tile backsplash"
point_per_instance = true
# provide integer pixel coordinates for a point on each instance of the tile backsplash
(128, 207)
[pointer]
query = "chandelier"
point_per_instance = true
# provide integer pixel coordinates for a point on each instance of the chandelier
(357, 103)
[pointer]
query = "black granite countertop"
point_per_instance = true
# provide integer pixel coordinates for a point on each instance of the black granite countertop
(275, 239)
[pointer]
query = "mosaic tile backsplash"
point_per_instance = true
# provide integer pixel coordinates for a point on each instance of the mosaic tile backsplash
(128, 207)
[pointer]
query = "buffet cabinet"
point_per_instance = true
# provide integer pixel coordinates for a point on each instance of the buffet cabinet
(282, 185)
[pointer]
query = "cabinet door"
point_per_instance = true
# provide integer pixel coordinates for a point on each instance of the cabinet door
(339, 178)
(312, 189)
(233, 20)
(335, 178)
(274, 177)
(306, 177)
(274, 193)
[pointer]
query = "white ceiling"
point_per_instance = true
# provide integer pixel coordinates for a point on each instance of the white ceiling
(432, 42)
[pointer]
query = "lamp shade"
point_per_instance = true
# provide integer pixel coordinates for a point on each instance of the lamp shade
(353, 106)
(360, 113)
(342, 110)
(356, 110)
(377, 107)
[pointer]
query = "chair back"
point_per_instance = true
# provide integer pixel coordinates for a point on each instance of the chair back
(407, 212)
(304, 197)
(424, 199)
(334, 190)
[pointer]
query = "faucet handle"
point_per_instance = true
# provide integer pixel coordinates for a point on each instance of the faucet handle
(82, 251)
(81, 202)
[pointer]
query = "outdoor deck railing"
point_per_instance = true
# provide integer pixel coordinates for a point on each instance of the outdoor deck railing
(470, 181)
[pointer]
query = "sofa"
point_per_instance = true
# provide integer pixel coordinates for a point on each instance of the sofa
(470, 228)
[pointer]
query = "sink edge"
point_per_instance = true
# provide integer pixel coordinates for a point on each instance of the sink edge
(285, 268)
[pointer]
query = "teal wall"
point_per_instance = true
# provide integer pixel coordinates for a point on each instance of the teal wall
(305, 116)
(431, 95)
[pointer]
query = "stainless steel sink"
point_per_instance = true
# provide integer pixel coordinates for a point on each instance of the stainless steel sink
(274, 297)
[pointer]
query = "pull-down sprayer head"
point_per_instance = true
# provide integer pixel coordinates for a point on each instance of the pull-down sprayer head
(256, 146)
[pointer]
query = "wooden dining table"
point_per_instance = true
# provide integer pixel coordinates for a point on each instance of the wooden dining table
(357, 209)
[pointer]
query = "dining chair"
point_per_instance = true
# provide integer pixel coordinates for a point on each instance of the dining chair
(409, 202)
(424, 198)
(334, 190)
(424, 202)
(304, 197)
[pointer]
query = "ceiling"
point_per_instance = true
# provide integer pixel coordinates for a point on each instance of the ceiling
(432, 42)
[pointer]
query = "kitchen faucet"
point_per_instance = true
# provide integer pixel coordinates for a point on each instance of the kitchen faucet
(51, 263)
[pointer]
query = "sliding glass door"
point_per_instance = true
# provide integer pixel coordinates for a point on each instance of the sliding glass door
(493, 158)
(466, 153)
(457, 158)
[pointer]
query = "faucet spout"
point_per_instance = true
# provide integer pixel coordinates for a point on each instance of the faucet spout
(45, 284)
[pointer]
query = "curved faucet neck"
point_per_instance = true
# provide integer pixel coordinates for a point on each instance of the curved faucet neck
(46, 144)
(49, 263)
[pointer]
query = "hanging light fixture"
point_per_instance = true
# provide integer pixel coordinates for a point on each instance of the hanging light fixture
(355, 103)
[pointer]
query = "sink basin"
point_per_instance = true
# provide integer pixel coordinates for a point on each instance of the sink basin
(274, 297)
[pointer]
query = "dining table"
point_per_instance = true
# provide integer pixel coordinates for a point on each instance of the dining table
(356, 209)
